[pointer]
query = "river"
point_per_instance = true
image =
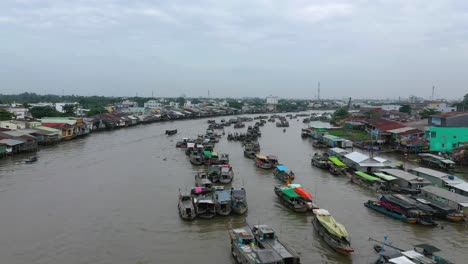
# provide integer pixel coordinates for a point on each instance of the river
(112, 198)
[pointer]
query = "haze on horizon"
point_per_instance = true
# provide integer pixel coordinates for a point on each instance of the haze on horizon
(362, 49)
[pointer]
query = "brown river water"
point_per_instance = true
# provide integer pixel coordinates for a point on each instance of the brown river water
(112, 198)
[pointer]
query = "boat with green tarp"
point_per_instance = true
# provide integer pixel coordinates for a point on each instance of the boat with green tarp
(367, 180)
(291, 199)
(334, 233)
(337, 167)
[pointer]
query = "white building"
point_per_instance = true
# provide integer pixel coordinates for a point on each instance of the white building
(174, 104)
(152, 104)
(20, 112)
(441, 107)
(59, 106)
(272, 100)
(391, 107)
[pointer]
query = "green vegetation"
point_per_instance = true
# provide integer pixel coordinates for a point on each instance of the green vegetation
(428, 112)
(351, 134)
(96, 111)
(43, 111)
(405, 109)
(235, 103)
(340, 114)
(5, 115)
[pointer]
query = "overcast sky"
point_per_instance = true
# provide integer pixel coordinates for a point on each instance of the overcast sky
(362, 49)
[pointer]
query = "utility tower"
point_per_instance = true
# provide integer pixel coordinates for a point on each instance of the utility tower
(318, 91)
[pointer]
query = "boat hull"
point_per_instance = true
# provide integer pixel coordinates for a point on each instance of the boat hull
(341, 248)
(369, 204)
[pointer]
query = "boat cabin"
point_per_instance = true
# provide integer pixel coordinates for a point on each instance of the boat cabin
(263, 232)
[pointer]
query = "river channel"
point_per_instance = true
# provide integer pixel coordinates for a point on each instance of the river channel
(111, 198)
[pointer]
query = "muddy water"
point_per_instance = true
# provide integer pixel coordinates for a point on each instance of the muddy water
(112, 198)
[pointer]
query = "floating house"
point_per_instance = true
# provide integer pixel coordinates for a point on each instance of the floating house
(362, 162)
(333, 141)
(404, 180)
(437, 178)
(451, 199)
(337, 152)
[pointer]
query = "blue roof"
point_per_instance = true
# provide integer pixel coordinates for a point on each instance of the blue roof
(281, 167)
(223, 196)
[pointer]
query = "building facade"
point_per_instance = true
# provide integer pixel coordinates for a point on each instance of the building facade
(445, 139)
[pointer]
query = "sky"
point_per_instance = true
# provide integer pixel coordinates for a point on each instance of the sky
(359, 49)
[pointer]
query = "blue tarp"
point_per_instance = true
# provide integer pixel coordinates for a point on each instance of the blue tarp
(282, 168)
(223, 196)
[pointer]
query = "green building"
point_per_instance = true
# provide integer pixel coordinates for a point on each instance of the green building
(444, 139)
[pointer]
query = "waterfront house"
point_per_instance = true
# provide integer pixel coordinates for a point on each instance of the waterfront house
(445, 139)
(46, 135)
(437, 178)
(337, 152)
(29, 142)
(333, 141)
(451, 199)
(12, 146)
(406, 180)
(451, 119)
(13, 124)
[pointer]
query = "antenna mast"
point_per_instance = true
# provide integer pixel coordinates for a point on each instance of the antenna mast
(318, 91)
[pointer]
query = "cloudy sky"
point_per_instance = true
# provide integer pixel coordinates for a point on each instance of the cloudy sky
(363, 49)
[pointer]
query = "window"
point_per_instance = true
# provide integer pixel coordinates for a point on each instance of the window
(443, 145)
(454, 136)
(433, 134)
(454, 145)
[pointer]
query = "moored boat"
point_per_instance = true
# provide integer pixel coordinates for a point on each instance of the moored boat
(266, 239)
(291, 199)
(320, 161)
(389, 210)
(224, 158)
(263, 162)
(239, 201)
(205, 206)
(31, 160)
(441, 211)
(283, 174)
(227, 174)
(334, 233)
(187, 206)
(196, 158)
(223, 202)
(201, 179)
(171, 132)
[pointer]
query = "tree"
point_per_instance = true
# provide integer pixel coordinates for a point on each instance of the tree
(5, 115)
(235, 104)
(427, 112)
(96, 111)
(69, 109)
(340, 114)
(43, 111)
(181, 101)
(405, 109)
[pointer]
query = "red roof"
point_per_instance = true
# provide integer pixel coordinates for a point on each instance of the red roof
(450, 114)
(384, 124)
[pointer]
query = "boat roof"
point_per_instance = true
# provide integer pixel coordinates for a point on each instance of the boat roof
(442, 159)
(238, 192)
(428, 248)
(260, 156)
(281, 167)
(303, 193)
(294, 185)
(418, 257)
(223, 196)
(269, 256)
(399, 202)
(290, 193)
(366, 176)
(401, 260)
(385, 176)
(190, 145)
(272, 157)
(207, 153)
(336, 161)
(243, 232)
(321, 212)
(331, 225)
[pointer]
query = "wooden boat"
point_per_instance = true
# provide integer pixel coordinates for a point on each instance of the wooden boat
(368, 181)
(205, 206)
(267, 239)
(227, 174)
(223, 202)
(390, 210)
(245, 250)
(196, 158)
(182, 143)
(334, 233)
(207, 155)
(171, 132)
(283, 174)
(239, 125)
(266, 162)
(31, 160)
(250, 154)
(421, 253)
(187, 206)
(305, 195)
(291, 199)
(239, 201)
(214, 173)
(201, 179)
(320, 161)
(224, 158)
(422, 213)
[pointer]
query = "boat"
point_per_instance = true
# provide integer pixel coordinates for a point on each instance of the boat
(291, 199)
(227, 174)
(31, 160)
(305, 195)
(205, 206)
(320, 161)
(266, 162)
(187, 206)
(366, 180)
(334, 233)
(239, 201)
(436, 161)
(224, 158)
(249, 151)
(266, 239)
(305, 133)
(422, 213)
(182, 143)
(197, 191)
(239, 125)
(223, 202)
(336, 166)
(196, 158)
(201, 179)
(283, 174)
(390, 210)
(207, 156)
(420, 254)
(214, 157)
(245, 250)
(214, 173)
(171, 132)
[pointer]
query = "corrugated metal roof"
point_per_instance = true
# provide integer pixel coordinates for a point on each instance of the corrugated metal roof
(451, 196)
(430, 172)
(401, 130)
(11, 142)
(356, 157)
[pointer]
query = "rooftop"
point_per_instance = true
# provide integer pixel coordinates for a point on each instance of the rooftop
(430, 172)
(450, 114)
(451, 196)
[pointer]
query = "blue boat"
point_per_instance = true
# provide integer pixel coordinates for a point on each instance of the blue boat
(283, 174)
(377, 206)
